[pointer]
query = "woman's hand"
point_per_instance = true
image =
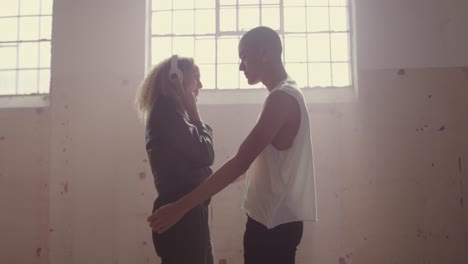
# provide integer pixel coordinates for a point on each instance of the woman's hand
(165, 217)
(190, 103)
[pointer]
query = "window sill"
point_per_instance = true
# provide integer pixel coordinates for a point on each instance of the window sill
(24, 101)
(317, 95)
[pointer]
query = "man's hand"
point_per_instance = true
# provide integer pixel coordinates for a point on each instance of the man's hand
(165, 217)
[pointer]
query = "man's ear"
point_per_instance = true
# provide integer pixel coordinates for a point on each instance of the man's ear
(263, 55)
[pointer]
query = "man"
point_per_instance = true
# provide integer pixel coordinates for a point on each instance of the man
(280, 189)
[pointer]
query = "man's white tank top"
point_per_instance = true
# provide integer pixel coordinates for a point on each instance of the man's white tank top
(280, 184)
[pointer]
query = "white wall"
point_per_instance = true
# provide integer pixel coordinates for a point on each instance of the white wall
(390, 180)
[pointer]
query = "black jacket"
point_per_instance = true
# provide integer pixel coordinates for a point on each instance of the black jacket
(180, 151)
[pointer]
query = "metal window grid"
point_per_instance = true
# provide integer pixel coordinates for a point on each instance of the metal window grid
(285, 34)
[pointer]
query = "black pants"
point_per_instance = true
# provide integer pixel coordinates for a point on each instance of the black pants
(188, 241)
(271, 246)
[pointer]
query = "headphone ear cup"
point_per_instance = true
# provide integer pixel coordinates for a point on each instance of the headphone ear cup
(175, 74)
(180, 75)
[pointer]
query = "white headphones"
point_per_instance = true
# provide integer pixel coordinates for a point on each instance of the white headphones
(175, 74)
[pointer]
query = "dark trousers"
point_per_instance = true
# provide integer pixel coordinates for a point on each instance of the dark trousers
(271, 246)
(188, 241)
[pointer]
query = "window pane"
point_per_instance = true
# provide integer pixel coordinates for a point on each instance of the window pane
(46, 27)
(317, 2)
(27, 81)
(341, 74)
(317, 19)
(44, 81)
(205, 21)
(9, 29)
(294, 2)
(161, 22)
(207, 75)
(295, 48)
(249, 2)
(184, 46)
(338, 18)
(161, 4)
(227, 19)
(161, 48)
(318, 47)
(30, 7)
(249, 17)
(205, 50)
(294, 19)
(319, 74)
(8, 56)
(205, 4)
(184, 22)
(46, 7)
(338, 2)
(28, 55)
(339, 46)
(228, 76)
(227, 2)
(183, 4)
(9, 8)
(270, 17)
(7, 82)
(29, 28)
(44, 53)
(228, 50)
(298, 72)
(270, 2)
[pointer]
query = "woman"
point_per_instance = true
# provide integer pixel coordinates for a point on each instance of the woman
(180, 150)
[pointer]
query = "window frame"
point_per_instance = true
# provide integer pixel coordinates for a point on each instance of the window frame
(34, 97)
(218, 95)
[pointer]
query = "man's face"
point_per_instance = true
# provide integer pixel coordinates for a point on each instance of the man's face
(250, 62)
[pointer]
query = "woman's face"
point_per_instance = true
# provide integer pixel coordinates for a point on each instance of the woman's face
(192, 81)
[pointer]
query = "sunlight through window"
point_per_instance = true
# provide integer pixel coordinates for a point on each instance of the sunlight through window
(25, 37)
(316, 37)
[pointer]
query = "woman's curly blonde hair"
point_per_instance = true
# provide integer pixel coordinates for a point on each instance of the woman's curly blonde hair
(157, 83)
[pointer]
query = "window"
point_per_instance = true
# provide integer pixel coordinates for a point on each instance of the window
(315, 34)
(25, 37)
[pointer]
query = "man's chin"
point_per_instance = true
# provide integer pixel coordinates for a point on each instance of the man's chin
(252, 82)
